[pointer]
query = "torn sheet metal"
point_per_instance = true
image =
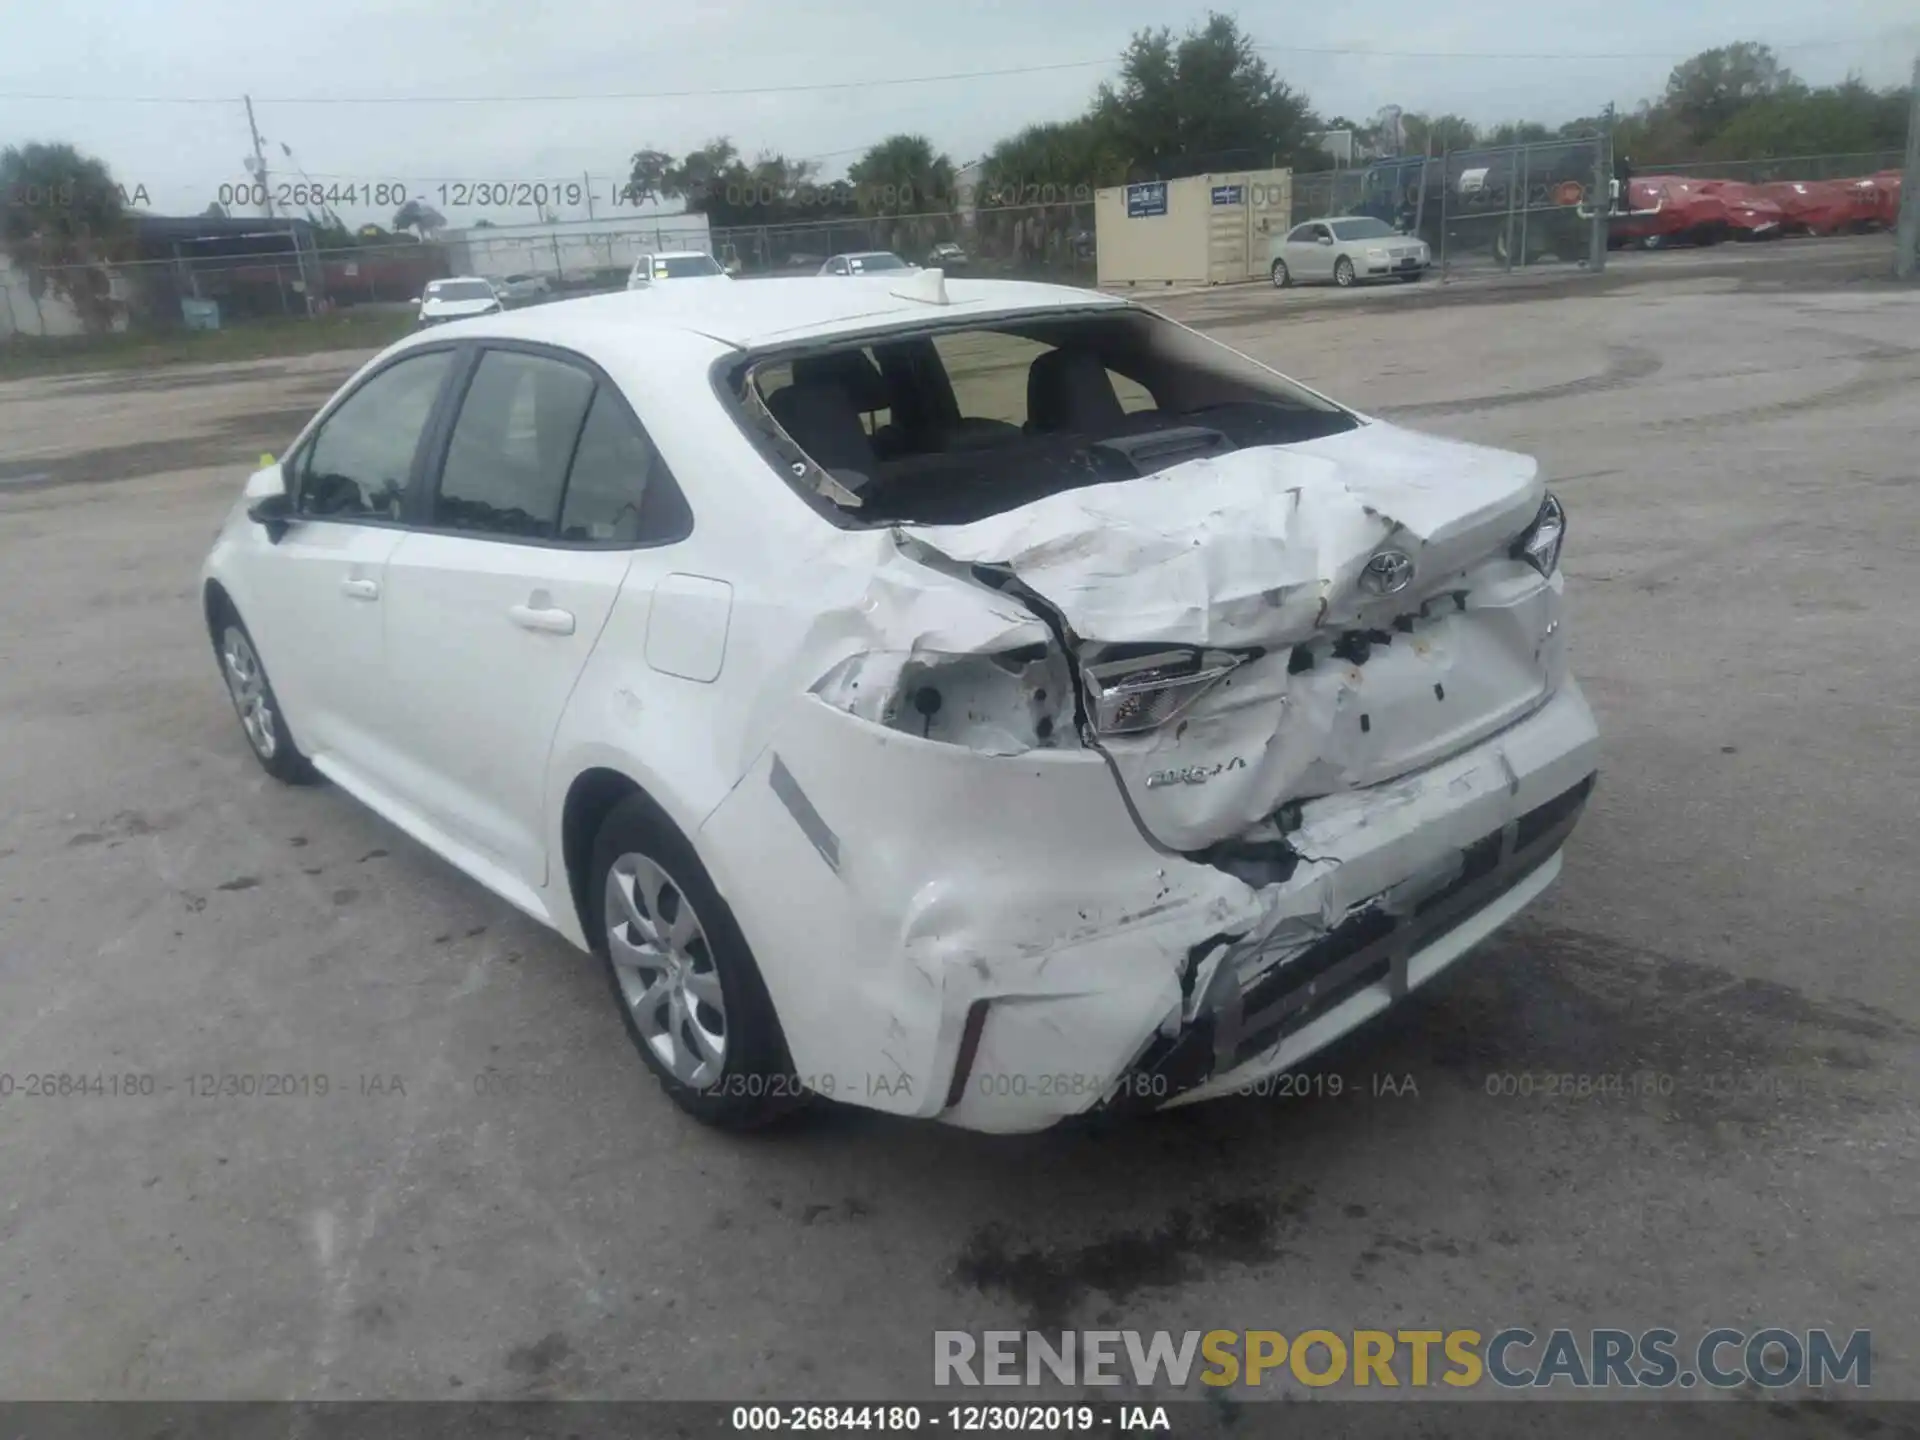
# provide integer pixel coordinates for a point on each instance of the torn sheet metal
(1258, 547)
(879, 615)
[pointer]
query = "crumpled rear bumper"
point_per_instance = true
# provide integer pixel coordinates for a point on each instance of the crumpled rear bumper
(991, 940)
(1394, 941)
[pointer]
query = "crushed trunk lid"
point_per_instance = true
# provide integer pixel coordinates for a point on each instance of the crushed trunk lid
(1235, 650)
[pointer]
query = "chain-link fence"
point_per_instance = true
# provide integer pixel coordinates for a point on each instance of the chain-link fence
(1041, 241)
(1856, 166)
(1499, 207)
(1036, 242)
(212, 292)
(1528, 204)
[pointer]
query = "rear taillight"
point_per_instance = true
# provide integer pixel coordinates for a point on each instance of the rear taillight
(1001, 704)
(1539, 544)
(1126, 697)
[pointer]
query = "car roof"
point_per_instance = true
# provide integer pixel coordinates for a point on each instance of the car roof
(863, 254)
(458, 280)
(674, 255)
(774, 310)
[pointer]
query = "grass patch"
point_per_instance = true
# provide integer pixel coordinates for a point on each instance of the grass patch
(354, 329)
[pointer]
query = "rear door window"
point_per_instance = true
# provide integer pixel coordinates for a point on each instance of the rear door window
(508, 456)
(619, 490)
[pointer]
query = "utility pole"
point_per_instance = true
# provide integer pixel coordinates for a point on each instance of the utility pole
(1602, 203)
(1907, 234)
(587, 181)
(259, 164)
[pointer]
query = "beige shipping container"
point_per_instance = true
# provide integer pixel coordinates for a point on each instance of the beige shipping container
(1203, 230)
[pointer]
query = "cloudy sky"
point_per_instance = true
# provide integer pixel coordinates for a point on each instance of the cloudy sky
(323, 76)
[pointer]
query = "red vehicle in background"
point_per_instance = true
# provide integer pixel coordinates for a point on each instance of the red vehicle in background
(1886, 198)
(1683, 210)
(1825, 207)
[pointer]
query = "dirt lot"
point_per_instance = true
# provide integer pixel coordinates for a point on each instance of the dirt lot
(1738, 912)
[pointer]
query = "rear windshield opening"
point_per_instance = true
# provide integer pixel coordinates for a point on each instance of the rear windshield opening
(950, 425)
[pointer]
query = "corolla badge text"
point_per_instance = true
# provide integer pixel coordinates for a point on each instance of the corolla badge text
(1387, 573)
(1193, 774)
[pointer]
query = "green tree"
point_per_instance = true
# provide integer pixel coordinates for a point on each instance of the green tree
(1056, 160)
(716, 182)
(1206, 101)
(701, 178)
(1705, 92)
(1517, 132)
(63, 221)
(1834, 120)
(419, 216)
(1441, 132)
(647, 177)
(902, 175)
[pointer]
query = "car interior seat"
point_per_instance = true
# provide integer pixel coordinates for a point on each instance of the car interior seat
(1069, 390)
(823, 420)
(855, 372)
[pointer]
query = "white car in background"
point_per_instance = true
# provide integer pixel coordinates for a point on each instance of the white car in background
(865, 262)
(672, 267)
(460, 297)
(528, 286)
(1110, 726)
(1346, 250)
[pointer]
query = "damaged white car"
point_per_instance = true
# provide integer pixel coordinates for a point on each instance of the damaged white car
(976, 700)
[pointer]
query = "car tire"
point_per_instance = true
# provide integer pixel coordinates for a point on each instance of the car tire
(671, 948)
(1343, 275)
(1280, 275)
(262, 720)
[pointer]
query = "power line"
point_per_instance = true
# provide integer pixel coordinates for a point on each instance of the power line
(1357, 51)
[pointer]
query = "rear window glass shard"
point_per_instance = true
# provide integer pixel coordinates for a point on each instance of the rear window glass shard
(950, 424)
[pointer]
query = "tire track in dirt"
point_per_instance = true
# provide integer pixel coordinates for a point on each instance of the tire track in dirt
(1626, 365)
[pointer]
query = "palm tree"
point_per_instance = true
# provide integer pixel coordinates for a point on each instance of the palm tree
(904, 176)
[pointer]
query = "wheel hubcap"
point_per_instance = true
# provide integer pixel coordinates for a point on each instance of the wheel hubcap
(247, 683)
(666, 972)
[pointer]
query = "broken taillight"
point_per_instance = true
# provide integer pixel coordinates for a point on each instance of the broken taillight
(1539, 543)
(998, 704)
(1125, 697)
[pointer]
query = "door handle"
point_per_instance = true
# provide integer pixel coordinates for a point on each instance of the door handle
(360, 589)
(552, 622)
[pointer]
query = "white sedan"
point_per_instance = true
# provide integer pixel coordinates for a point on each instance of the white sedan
(1347, 249)
(460, 297)
(675, 268)
(975, 700)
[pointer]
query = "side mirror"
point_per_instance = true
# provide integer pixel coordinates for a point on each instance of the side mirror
(274, 512)
(415, 302)
(1326, 239)
(268, 502)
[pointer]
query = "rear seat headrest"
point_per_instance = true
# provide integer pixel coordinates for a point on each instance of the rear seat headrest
(853, 370)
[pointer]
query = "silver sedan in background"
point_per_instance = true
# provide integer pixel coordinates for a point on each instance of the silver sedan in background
(1347, 249)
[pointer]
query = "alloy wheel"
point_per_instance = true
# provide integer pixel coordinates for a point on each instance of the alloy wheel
(247, 683)
(665, 969)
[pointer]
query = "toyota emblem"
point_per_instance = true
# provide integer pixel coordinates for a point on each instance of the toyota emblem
(1387, 573)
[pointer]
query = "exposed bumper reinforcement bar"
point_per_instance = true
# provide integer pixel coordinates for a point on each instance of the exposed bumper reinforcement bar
(1371, 946)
